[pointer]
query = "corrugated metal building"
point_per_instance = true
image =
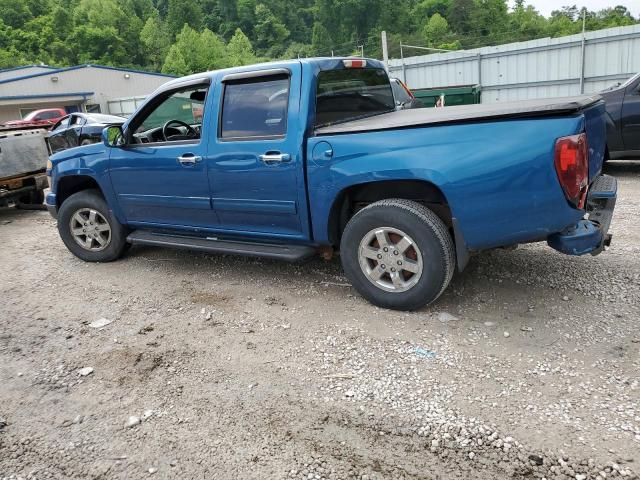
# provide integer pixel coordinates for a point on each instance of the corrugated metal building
(79, 88)
(547, 67)
(24, 70)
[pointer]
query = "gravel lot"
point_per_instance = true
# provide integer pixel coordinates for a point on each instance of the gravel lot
(221, 367)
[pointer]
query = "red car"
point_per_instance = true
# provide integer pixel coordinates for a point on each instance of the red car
(45, 117)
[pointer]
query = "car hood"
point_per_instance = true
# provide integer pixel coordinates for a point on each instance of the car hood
(77, 152)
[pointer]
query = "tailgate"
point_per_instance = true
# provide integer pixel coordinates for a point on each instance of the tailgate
(596, 129)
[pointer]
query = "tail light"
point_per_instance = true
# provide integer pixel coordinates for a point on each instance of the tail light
(406, 89)
(572, 167)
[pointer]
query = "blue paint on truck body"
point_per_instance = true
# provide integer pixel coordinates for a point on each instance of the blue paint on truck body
(497, 175)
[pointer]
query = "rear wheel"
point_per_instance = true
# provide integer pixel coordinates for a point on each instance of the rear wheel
(398, 254)
(89, 229)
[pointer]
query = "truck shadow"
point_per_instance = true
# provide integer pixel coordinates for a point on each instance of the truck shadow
(622, 168)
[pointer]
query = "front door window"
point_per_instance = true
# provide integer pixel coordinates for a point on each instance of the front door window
(175, 117)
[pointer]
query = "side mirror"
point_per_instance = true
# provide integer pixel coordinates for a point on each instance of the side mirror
(112, 136)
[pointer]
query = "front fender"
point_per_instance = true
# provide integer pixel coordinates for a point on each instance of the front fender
(614, 137)
(89, 161)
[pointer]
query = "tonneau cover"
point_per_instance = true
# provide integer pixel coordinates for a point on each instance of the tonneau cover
(463, 113)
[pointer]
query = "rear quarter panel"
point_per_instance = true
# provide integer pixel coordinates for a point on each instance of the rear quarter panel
(498, 177)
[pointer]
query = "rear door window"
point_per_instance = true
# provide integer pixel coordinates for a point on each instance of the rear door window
(255, 108)
(349, 94)
(61, 125)
(48, 115)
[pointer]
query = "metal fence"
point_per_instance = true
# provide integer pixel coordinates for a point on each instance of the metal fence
(547, 67)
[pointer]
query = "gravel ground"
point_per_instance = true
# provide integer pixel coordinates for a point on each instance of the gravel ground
(183, 365)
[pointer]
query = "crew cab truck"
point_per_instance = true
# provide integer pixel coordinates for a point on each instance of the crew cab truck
(287, 159)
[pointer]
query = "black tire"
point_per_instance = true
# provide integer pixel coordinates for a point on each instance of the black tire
(429, 234)
(91, 199)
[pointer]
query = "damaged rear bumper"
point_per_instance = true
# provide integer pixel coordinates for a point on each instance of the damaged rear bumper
(590, 235)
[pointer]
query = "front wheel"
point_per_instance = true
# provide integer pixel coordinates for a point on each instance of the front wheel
(398, 254)
(89, 229)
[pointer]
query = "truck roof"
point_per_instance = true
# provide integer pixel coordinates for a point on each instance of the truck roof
(321, 63)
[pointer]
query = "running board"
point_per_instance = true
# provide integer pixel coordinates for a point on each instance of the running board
(287, 253)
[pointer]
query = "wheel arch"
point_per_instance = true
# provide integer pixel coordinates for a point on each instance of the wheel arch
(355, 197)
(70, 184)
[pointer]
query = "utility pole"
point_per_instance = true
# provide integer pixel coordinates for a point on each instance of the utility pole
(404, 70)
(385, 50)
(584, 23)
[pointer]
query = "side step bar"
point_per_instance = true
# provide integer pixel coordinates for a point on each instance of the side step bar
(287, 253)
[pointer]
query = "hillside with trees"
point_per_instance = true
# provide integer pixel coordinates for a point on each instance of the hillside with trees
(185, 36)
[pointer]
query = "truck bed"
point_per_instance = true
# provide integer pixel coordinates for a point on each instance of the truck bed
(463, 113)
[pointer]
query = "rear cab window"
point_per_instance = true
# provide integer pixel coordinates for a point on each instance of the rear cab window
(350, 94)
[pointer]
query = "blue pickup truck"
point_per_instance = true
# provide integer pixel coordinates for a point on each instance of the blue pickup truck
(290, 159)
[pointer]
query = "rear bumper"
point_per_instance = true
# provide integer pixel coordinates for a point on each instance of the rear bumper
(590, 235)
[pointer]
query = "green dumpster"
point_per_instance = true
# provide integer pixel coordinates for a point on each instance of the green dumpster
(456, 95)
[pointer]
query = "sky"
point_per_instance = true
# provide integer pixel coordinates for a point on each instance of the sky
(546, 6)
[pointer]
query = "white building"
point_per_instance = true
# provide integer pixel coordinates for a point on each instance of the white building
(90, 88)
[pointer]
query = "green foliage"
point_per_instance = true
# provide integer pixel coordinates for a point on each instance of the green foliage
(321, 42)
(239, 50)
(181, 12)
(270, 32)
(151, 34)
(436, 29)
(195, 52)
(155, 38)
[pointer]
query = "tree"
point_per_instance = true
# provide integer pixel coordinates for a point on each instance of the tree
(14, 13)
(155, 38)
(195, 52)
(321, 42)
(526, 22)
(298, 50)
(270, 33)
(490, 23)
(460, 14)
(239, 50)
(427, 8)
(246, 15)
(436, 29)
(142, 33)
(181, 12)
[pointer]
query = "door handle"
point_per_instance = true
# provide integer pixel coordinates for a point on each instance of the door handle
(272, 158)
(189, 159)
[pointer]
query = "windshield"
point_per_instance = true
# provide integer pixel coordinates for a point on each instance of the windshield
(622, 85)
(349, 94)
(630, 81)
(100, 118)
(32, 115)
(399, 92)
